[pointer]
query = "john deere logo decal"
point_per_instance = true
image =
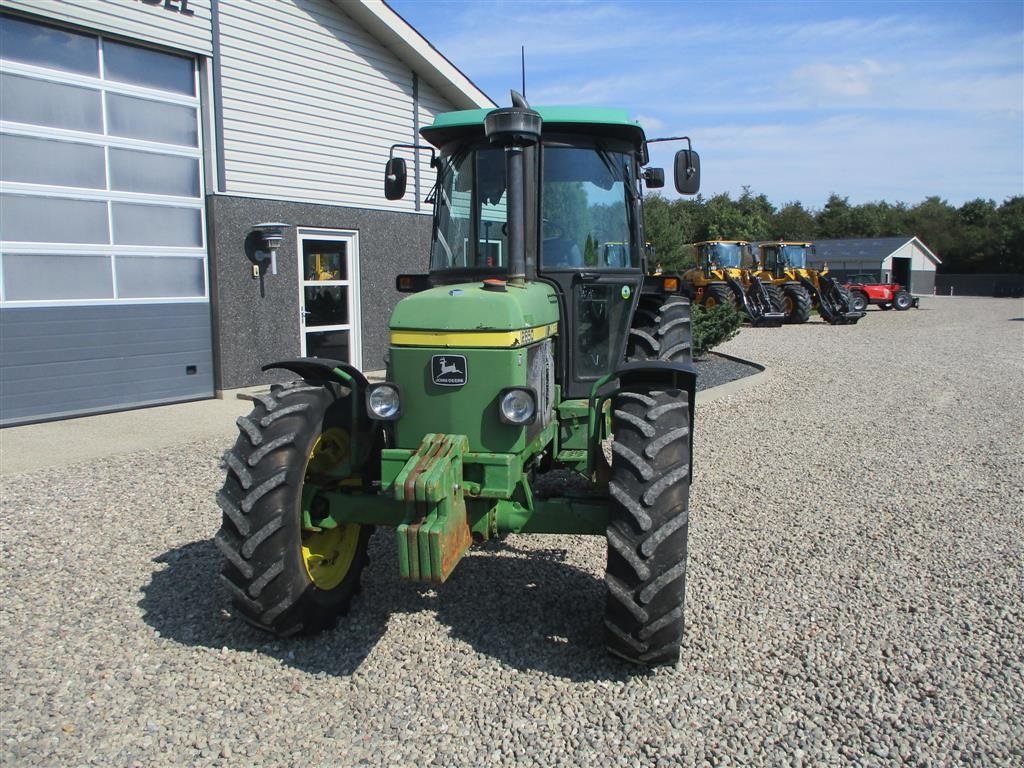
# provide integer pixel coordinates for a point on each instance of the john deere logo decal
(449, 370)
(626, 292)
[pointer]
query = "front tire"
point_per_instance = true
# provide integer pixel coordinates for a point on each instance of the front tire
(859, 300)
(796, 303)
(902, 301)
(648, 525)
(283, 578)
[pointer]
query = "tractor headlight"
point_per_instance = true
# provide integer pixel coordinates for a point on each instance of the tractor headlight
(518, 406)
(383, 401)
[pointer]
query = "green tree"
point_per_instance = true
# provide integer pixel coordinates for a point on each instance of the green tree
(835, 220)
(793, 222)
(663, 230)
(1008, 249)
(936, 223)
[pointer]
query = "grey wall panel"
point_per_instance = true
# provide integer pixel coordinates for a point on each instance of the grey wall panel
(922, 281)
(63, 361)
(252, 329)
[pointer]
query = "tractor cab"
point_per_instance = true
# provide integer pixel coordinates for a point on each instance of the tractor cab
(573, 212)
(722, 254)
(780, 257)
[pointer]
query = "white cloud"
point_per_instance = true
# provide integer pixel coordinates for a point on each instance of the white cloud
(851, 80)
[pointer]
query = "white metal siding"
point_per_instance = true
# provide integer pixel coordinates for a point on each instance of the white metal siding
(919, 261)
(311, 105)
(133, 19)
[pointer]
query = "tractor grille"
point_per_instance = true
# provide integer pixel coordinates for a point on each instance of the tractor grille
(541, 377)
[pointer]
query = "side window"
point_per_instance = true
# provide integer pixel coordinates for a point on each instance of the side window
(471, 229)
(585, 219)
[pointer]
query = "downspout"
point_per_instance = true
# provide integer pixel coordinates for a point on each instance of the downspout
(416, 135)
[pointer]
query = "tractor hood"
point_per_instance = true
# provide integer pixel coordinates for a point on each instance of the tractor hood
(490, 313)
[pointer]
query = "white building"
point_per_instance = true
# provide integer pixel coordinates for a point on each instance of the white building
(903, 260)
(142, 140)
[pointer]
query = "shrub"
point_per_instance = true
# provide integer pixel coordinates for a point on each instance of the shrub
(712, 327)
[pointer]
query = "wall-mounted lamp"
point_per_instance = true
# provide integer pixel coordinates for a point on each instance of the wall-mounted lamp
(272, 234)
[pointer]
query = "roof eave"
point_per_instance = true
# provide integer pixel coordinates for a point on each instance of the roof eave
(416, 51)
(926, 249)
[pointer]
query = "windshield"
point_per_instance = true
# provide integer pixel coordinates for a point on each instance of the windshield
(724, 254)
(794, 256)
(471, 212)
(586, 219)
(586, 209)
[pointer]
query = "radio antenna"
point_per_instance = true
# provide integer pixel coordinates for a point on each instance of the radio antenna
(522, 55)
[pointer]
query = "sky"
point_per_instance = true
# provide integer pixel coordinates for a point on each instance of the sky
(891, 101)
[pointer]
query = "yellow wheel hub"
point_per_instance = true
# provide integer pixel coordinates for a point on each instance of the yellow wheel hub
(787, 305)
(328, 554)
(331, 449)
(710, 303)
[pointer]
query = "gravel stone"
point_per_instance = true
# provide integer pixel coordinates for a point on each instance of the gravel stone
(854, 595)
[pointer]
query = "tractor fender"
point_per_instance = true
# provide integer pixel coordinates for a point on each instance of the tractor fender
(320, 370)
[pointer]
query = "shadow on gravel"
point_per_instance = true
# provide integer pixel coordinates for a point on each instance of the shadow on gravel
(528, 609)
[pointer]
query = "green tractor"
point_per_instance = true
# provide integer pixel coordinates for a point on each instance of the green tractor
(510, 359)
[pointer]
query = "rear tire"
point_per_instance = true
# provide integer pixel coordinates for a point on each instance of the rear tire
(796, 304)
(661, 330)
(859, 300)
(281, 577)
(902, 301)
(648, 526)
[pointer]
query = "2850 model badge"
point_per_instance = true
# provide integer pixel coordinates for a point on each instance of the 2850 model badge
(449, 370)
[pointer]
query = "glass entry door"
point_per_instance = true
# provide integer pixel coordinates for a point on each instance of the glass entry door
(329, 295)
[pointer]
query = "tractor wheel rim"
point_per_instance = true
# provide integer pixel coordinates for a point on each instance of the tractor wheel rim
(710, 302)
(787, 305)
(328, 554)
(331, 449)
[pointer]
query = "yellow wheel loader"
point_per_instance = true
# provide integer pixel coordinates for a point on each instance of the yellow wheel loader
(723, 276)
(784, 265)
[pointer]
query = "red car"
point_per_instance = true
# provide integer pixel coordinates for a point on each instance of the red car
(865, 289)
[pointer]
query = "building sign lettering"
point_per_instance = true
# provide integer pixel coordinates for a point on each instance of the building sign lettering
(181, 6)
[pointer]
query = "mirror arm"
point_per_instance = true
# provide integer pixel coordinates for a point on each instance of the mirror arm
(418, 148)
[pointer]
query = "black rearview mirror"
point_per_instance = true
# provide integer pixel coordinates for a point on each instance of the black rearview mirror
(654, 178)
(687, 172)
(395, 178)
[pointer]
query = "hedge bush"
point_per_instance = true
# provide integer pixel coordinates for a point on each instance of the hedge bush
(712, 327)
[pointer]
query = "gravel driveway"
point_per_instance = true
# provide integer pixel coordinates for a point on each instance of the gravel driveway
(854, 595)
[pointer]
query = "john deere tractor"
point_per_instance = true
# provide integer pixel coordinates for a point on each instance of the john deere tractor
(510, 358)
(785, 265)
(723, 276)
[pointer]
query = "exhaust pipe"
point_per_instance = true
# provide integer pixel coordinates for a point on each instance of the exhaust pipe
(514, 128)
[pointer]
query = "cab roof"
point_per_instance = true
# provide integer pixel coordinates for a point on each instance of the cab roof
(722, 242)
(604, 121)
